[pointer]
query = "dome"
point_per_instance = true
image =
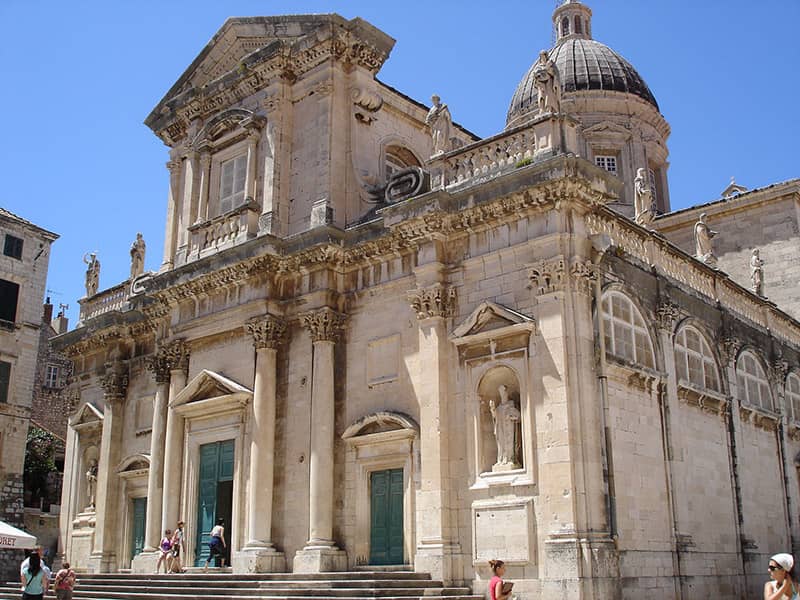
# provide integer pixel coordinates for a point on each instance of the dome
(582, 62)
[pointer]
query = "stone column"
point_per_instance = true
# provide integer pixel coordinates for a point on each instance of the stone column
(115, 385)
(170, 233)
(437, 549)
(205, 179)
(253, 137)
(259, 555)
(320, 552)
(177, 360)
(146, 561)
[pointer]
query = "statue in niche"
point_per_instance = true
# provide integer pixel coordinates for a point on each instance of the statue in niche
(92, 273)
(440, 122)
(757, 273)
(643, 199)
(137, 256)
(547, 84)
(91, 482)
(506, 419)
(702, 242)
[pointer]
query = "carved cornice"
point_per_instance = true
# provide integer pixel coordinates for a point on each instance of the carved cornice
(666, 314)
(268, 331)
(325, 324)
(115, 381)
(435, 301)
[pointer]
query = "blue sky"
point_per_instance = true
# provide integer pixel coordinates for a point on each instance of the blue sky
(80, 77)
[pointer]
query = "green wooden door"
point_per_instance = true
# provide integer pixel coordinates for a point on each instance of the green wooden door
(137, 526)
(214, 494)
(386, 517)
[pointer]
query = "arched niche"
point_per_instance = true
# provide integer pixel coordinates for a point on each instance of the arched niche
(500, 442)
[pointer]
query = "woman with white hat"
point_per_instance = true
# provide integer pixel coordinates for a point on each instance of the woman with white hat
(781, 584)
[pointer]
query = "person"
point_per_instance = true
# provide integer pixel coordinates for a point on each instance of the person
(217, 546)
(496, 583)
(164, 551)
(64, 582)
(38, 552)
(33, 578)
(177, 545)
(781, 583)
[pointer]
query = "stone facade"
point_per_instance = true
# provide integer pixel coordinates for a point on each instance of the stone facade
(311, 335)
(23, 274)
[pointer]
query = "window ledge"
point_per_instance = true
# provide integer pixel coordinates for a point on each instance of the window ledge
(637, 376)
(764, 419)
(7, 325)
(704, 399)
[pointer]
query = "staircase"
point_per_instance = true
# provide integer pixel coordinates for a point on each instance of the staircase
(383, 585)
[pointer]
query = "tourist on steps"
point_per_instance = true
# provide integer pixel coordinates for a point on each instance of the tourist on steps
(164, 551)
(216, 546)
(65, 582)
(499, 589)
(34, 580)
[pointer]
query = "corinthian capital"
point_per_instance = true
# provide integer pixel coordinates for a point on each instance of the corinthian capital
(176, 355)
(267, 331)
(436, 301)
(325, 324)
(115, 381)
(158, 366)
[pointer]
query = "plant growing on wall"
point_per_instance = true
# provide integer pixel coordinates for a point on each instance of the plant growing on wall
(40, 452)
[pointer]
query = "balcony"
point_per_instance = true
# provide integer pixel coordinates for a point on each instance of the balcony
(224, 231)
(115, 298)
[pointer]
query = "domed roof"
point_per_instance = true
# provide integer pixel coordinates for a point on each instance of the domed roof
(583, 64)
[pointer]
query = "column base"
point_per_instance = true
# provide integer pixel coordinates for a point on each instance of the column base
(440, 559)
(102, 562)
(319, 559)
(145, 562)
(258, 560)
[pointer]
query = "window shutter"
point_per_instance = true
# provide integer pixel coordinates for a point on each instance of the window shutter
(5, 380)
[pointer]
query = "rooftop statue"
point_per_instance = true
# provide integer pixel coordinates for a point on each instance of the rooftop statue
(643, 199)
(92, 273)
(138, 249)
(440, 122)
(703, 234)
(757, 273)
(547, 83)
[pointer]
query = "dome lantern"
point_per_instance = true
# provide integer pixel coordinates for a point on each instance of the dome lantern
(572, 19)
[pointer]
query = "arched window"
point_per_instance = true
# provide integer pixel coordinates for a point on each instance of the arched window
(565, 26)
(625, 333)
(694, 361)
(398, 158)
(793, 396)
(752, 382)
(578, 24)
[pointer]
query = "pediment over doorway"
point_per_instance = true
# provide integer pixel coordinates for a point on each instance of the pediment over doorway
(381, 422)
(490, 317)
(210, 392)
(86, 416)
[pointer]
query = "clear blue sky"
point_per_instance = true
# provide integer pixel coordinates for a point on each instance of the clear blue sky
(79, 78)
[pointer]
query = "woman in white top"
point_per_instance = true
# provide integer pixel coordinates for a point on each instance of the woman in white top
(216, 546)
(781, 585)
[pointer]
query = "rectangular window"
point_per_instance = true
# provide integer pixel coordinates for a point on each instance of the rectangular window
(607, 162)
(13, 247)
(51, 376)
(5, 380)
(9, 293)
(232, 175)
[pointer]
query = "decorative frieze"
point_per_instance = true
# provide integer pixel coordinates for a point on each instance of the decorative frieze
(435, 301)
(267, 331)
(115, 381)
(325, 324)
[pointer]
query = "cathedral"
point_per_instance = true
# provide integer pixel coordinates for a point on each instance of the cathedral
(376, 339)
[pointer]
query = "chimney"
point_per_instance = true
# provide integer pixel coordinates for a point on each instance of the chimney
(47, 314)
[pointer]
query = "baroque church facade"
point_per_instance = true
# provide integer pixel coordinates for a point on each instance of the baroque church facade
(376, 339)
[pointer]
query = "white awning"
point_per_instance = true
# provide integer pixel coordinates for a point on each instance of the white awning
(11, 537)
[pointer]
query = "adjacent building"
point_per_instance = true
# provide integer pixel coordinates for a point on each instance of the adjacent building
(376, 339)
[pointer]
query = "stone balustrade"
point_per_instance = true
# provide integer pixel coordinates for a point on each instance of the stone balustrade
(511, 149)
(223, 231)
(114, 298)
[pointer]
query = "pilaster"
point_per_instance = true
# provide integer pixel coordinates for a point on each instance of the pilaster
(176, 355)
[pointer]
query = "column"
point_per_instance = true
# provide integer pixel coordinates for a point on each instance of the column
(146, 561)
(177, 358)
(115, 385)
(205, 178)
(253, 137)
(170, 234)
(259, 555)
(437, 548)
(320, 553)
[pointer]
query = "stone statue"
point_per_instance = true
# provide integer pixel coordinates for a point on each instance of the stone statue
(757, 273)
(137, 256)
(702, 242)
(506, 417)
(547, 83)
(440, 122)
(643, 199)
(91, 482)
(92, 273)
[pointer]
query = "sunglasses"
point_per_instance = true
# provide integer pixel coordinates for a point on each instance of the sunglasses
(774, 568)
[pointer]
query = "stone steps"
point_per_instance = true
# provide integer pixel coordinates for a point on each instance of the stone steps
(353, 585)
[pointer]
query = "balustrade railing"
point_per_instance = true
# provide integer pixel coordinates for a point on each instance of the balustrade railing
(115, 298)
(224, 230)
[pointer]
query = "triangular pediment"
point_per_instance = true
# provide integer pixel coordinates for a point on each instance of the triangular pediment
(85, 415)
(733, 189)
(489, 316)
(607, 128)
(207, 385)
